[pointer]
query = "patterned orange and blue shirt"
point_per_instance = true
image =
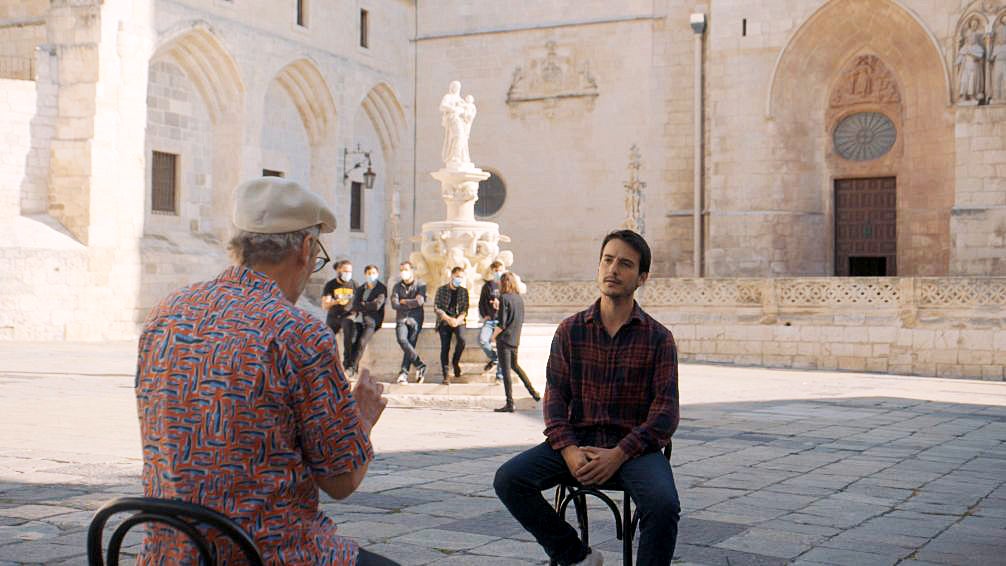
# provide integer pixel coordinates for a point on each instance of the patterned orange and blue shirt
(242, 404)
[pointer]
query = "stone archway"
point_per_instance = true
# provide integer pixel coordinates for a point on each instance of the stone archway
(799, 96)
(197, 50)
(387, 117)
(302, 82)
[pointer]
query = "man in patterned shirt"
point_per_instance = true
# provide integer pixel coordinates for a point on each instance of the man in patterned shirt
(611, 404)
(243, 405)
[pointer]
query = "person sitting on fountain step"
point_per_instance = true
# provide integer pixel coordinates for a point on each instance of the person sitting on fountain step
(337, 299)
(451, 306)
(368, 304)
(408, 298)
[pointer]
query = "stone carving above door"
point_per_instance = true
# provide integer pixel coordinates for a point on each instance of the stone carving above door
(556, 75)
(865, 80)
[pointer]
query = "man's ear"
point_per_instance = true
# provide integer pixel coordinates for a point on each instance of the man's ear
(643, 277)
(305, 250)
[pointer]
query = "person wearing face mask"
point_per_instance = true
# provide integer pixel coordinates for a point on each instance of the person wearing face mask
(368, 309)
(488, 305)
(337, 299)
(408, 298)
(451, 306)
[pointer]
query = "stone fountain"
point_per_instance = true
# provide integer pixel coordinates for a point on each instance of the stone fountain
(460, 240)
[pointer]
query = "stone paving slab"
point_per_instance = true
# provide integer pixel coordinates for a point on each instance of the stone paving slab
(860, 471)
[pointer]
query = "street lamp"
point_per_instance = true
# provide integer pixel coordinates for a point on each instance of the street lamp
(368, 176)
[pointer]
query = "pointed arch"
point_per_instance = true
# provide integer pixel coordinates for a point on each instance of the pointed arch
(198, 50)
(386, 115)
(304, 84)
(837, 19)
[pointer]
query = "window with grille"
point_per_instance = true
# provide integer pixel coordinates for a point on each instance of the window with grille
(364, 29)
(492, 195)
(164, 182)
(272, 173)
(356, 207)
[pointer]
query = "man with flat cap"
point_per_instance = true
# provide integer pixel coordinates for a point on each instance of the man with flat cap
(243, 405)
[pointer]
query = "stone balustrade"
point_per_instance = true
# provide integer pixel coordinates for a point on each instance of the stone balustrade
(933, 326)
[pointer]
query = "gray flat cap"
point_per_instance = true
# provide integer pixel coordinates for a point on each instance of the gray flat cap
(273, 205)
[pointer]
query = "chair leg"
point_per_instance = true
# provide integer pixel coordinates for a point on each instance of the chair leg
(628, 530)
(580, 502)
(560, 494)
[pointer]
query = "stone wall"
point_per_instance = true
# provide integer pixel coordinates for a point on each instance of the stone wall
(18, 100)
(978, 219)
(947, 327)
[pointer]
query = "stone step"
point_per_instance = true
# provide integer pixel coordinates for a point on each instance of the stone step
(455, 396)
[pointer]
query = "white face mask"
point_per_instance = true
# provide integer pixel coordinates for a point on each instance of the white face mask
(346, 275)
(406, 276)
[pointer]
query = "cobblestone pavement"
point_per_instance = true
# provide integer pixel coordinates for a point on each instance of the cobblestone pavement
(773, 467)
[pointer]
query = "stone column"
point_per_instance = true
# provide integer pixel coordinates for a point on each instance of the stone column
(73, 30)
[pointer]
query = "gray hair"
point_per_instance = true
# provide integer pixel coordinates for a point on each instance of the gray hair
(251, 248)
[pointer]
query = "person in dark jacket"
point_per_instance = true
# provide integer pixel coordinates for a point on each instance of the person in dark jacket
(337, 299)
(408, 298)
(488, 301)
(368, 309)
(451, 306)
(509, 321)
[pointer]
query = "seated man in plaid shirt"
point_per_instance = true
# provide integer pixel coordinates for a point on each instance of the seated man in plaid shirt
(611, 405)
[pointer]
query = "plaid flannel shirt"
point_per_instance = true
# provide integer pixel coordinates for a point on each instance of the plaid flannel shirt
(611, 390)
(442, 303)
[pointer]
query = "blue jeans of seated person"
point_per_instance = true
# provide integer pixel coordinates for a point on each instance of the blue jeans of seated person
(486, 339)
(407, 332)
(647, 479)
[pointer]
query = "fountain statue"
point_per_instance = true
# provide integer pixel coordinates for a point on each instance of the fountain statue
(460, 240)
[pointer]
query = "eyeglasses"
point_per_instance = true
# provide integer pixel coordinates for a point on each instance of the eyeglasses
(322, 260)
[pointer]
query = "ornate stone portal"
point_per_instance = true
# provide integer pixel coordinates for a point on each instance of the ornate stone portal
(460, 240)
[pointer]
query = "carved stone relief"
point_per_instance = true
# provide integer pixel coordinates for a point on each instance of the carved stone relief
(549, 78)
(979, 59)
(866, 80)
(634, 194)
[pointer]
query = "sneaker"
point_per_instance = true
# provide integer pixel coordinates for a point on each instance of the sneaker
(421, 374)
(592, 559)
(457, 371)
(403, 378)
(444, 374)
(351, 373)
(489, 366)
(509, 409)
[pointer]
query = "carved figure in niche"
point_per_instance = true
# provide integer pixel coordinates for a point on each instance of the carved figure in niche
(998, 61)
(862, 78)
(971, 64)
(453, 107)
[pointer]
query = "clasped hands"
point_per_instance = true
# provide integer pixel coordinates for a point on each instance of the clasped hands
(590, 465)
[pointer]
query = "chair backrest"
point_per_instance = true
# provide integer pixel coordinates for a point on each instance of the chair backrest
(181, 515)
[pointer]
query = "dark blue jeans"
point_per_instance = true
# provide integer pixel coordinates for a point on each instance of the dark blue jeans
(647, 478)
(407, 333)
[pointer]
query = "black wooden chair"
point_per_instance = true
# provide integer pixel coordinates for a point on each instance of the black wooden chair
(180, 515)
(626, 522)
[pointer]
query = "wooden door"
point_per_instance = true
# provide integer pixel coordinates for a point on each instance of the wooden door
(866, 227)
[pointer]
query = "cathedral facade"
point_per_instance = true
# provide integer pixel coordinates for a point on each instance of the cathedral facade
(744, 138)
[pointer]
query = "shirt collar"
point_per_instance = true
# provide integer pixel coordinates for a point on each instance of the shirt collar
(246, 277)
(594, 312)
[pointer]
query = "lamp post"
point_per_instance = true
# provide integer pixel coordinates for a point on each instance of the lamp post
(368, 176)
